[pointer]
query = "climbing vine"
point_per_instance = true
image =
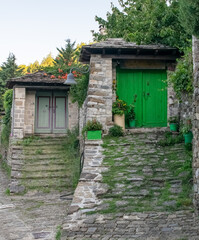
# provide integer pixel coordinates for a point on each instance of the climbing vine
(182, 78)
(7, 118)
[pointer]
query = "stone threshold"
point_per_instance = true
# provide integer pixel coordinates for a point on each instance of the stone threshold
(146, 130)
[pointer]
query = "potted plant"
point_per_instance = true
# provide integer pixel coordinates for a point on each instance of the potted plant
(119, 107)
(187, 133)
(173, 123)
(93, 128)
(131, 115)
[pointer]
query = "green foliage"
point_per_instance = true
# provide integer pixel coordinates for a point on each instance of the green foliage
(116, 131)
(58, 233)
(7, 192)
(79, 91)
(173, 119)
(131, 112)
(7, 105)
(119, 107)
(186, 128)
(145, 22)
(71, 154)
(93, 125)
(182, 78)
(6, 168)
(5, 135)
(189, 16)
(64, 63)
(6, 119)
(8, 70)
(170, 139)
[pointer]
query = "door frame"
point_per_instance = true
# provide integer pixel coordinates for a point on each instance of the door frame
(139, 90)
(52, 94)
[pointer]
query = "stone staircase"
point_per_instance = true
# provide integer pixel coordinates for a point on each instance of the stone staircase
(39, 163)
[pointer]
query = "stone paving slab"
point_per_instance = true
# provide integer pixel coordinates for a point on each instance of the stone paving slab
(32, 216)
(138, 173)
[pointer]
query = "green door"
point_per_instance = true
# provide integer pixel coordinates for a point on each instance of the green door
(146, 89)
(51, 112)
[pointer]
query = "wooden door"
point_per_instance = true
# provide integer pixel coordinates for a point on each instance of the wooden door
(146, 90)
(51, 112)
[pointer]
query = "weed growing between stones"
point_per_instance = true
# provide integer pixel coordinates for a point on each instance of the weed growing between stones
(58, 233)
(5, 167)
(7, 192)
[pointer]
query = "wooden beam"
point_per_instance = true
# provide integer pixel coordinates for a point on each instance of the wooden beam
(143, 57)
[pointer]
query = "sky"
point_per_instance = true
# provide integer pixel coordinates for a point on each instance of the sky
(31, 29)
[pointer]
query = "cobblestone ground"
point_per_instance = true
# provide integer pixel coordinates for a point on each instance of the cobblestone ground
(149, 194)
(32, 216)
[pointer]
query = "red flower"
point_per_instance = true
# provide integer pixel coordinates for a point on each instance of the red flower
(45, 74)
(60, 70)
(52, 76)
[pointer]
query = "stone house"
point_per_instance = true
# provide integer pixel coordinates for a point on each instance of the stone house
(41, 105)
(136, 74)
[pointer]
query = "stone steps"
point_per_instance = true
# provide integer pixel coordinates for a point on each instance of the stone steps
(39, 163)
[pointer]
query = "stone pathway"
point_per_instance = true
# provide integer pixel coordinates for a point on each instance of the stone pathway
(32, 216)
(148, 192)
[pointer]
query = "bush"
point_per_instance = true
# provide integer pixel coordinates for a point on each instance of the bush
(116, 131)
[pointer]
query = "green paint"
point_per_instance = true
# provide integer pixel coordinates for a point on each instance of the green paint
(94, 135)
(146, 89)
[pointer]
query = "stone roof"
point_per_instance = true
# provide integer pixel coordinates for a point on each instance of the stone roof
(119, 47)
(35, 79)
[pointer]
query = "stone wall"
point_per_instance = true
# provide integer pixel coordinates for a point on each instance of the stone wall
(99, 97)
(73, 113)
(196, 123)
(29, 112)
(18, 113)
(173, 103)
(186, 107)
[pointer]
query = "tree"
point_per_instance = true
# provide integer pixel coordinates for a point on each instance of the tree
(48, 61)
(145, 22)
(9, 69)
(189, 16)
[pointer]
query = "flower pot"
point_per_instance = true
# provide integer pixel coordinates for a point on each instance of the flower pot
(119, 120)
(173, 127)
(188, 137)
(132, 123)
(94, 135)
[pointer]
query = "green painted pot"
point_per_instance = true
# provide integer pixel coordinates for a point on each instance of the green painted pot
(94, 135)
(132, 123)
(174, 127)
(188, 137)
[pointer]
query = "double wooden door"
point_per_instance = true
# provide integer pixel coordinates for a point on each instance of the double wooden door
(147, 91)
(51, 112)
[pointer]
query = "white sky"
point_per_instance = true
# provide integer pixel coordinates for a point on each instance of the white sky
(33, 28)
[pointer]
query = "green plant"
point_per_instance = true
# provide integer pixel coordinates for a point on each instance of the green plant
(131, 112)
(7, 192)
(171, 139)
(182, 78)
(116, 131)
(186, 128)
(58, 233)
(92, 125)
(173, 119)
(6, 167)
(119, 107)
